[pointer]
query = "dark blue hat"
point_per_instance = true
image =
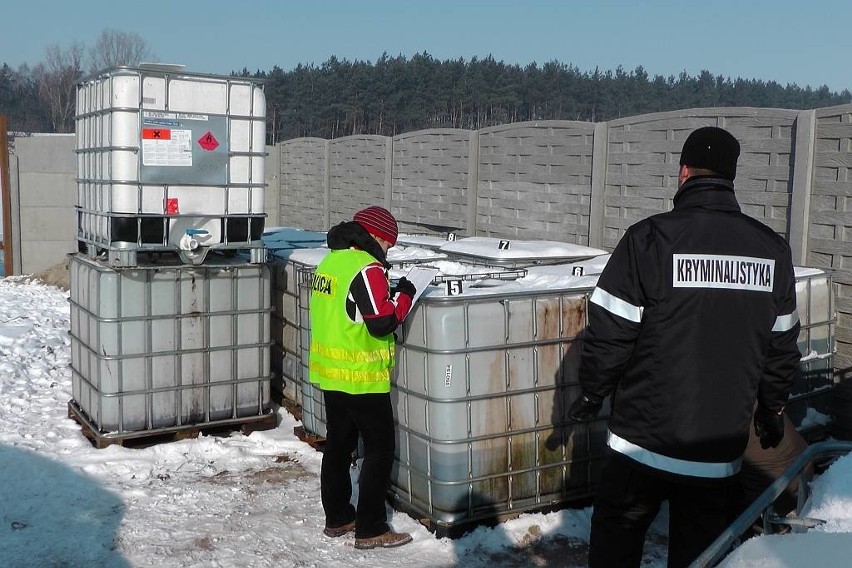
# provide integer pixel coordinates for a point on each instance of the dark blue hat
(713, 149)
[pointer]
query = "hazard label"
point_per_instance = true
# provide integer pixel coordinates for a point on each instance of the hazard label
(208, 142)
(166, 147)
(156, 134)
(172, 206)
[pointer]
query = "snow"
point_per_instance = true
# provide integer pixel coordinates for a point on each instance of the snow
(827, 545)
(426, 241)
(490, 248)
(227, 501)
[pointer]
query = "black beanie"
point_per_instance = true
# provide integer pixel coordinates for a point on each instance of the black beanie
(712, 148)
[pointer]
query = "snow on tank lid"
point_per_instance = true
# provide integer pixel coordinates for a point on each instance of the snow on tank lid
(170, 67)
(409, 254)
(431, 241)
(802, 271)
(309, 256)
(494, 248)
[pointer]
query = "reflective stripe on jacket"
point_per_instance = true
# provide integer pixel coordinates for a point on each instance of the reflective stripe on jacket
(344, 356)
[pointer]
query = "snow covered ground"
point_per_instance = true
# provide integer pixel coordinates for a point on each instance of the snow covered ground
(248, 500)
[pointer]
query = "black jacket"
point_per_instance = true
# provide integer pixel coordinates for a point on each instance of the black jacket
(693, 317)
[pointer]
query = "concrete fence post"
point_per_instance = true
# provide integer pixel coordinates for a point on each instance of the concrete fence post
(15, 210)
(597, 199)
(326, 187)
(472, 182)
(802, 183)
(6, 197)
(388, 197)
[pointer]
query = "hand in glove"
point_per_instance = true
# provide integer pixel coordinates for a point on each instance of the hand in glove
(404, 286)
(769, 427)
(585, 408)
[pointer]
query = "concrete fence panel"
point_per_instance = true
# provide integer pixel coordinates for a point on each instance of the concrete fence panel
(830, 216)
(643, 154)
(430, 181)
(764, 175)
(535, 181)
(271, 196)
(43, 171)
(358, 175)
(302, 183)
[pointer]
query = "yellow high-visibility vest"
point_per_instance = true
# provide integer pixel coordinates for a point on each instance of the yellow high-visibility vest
(344, 356)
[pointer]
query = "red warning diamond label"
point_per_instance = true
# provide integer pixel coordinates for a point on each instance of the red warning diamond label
(172, 206)
(208, 142)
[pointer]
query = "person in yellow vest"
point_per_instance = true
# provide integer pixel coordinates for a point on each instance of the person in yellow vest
(354, 313)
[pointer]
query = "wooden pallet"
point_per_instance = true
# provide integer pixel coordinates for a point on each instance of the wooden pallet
(145, 438)
(314, 441)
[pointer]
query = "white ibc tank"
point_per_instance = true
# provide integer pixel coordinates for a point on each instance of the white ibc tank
(160, 151)
(166, 345)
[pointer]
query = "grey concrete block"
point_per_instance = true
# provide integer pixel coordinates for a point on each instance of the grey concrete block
(51, 189)
(46, 153)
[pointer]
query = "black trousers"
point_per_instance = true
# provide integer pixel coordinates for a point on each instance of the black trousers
(348, 415)
(627, 501)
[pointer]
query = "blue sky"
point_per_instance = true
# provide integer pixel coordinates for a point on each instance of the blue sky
(787, 41)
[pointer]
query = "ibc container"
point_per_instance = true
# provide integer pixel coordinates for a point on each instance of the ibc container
(482, 387)
(313, 403)
(161, 151)
(167, 345)
(286, 363)
(281, 242)
(810, 397)
(289, 329)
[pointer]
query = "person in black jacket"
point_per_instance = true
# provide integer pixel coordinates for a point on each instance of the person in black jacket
(692, 321)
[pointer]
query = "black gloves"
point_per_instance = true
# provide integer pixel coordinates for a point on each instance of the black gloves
(769, 427)
(585, 408)
(404, 286)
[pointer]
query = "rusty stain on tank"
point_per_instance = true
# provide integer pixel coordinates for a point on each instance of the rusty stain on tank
(574, 316)
(547, 319)
(490, 457)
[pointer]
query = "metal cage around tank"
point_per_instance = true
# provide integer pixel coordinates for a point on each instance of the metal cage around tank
(481, 391)
(169, 160)
(168, 346)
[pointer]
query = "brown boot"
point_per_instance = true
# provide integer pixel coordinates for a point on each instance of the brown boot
(386, 540)
(335, 532)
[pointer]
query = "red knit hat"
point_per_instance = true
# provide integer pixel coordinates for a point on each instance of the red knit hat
(379, 222)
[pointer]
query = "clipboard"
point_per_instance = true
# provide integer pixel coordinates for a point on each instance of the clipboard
(421, 277)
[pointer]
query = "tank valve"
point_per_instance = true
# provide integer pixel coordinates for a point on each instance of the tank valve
(190, 241)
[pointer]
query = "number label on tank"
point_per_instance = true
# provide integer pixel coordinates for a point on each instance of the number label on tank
(448, 375)
(454, 287)
(503, 245)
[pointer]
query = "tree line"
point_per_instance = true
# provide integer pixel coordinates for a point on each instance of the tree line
(399, 94)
